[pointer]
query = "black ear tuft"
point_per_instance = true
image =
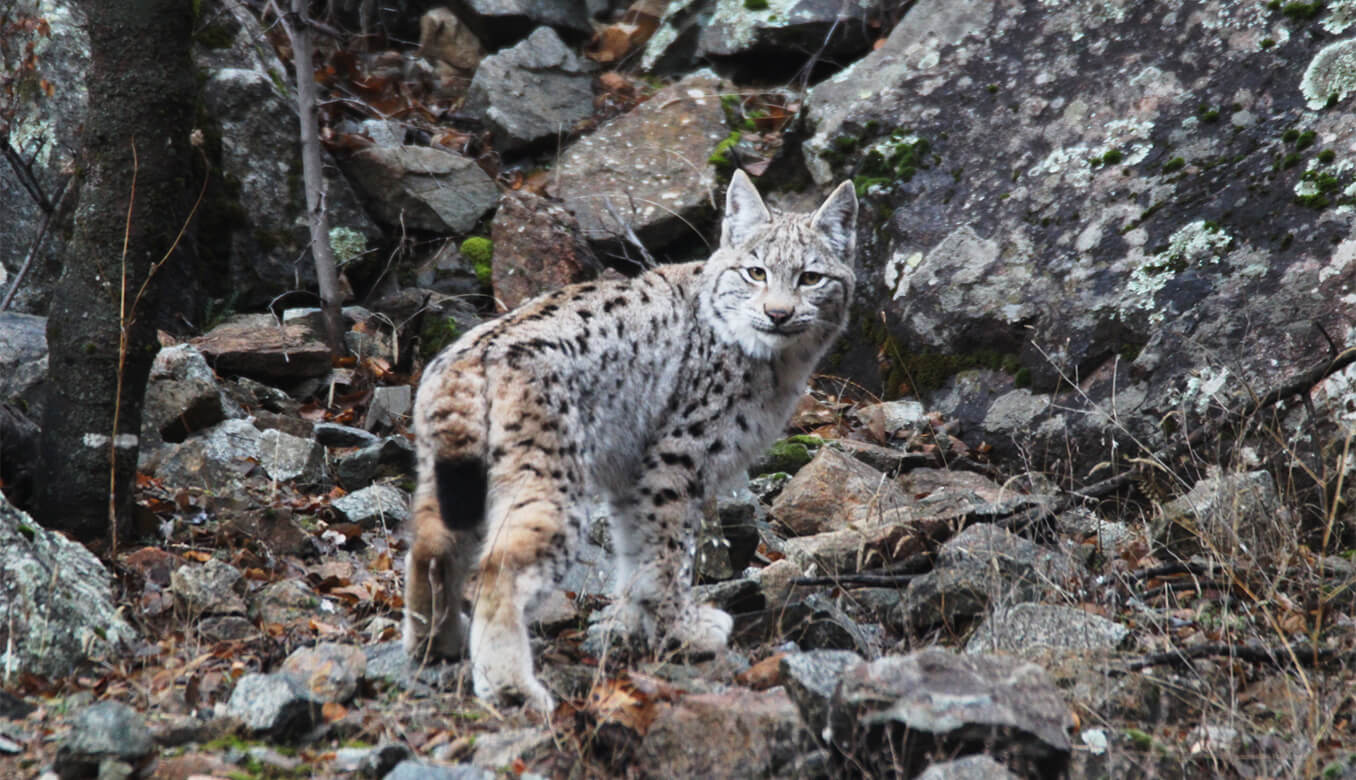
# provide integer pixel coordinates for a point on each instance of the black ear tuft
(744, 211)
(836, 220)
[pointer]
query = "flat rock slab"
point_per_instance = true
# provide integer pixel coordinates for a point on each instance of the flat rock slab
(892, 714)
(422, 187)
(833, 490)
(1028, 629)
(647, 168)
(330, 670)
(257, 346)
(278, 705)
(375, 505)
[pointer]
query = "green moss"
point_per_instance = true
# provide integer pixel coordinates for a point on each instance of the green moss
(1300, 11)
(895, 158)
(347, 244)
(788, 455)
(480, 251)
(1022, 378)
(1267, 43)
(436, 334)
(1290, 160)
(1327, 156)
(756, 5)
(1210, 116)
(1306, 139)
(720, 156)
(214, 36)
(1290, 136)
(1110, 157)
(1175, 164)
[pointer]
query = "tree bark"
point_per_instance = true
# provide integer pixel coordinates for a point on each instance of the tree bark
(313, 176)
(135, 155)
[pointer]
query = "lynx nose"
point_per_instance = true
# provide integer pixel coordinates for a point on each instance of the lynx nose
(778, 314)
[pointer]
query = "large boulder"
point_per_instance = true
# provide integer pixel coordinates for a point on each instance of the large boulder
(1116, 212)
(647, 170)
(57, 599)
(422, 187)
(532, 93)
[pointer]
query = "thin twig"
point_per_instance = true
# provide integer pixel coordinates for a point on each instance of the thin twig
(36, 245)
(1300, 654)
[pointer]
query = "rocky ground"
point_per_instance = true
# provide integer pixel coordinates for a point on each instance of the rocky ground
(1106, 246)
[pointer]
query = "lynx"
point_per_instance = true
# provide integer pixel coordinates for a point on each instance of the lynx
(646, 393)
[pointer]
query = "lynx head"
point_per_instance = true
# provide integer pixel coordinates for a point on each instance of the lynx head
(782, 280)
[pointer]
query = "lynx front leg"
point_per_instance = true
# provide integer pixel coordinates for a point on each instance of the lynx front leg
(655, 541)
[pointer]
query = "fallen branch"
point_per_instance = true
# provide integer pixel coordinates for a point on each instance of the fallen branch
(36, 245)
(1283, 657)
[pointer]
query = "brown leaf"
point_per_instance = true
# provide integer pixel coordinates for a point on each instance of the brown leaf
(332, 711)
(763, 675)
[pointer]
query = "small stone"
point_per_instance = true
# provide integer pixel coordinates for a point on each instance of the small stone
(383, 459)
(277, 705)
(330, 434)
(287, 458)
(227, 628)
(330, 670)
(417, 770)
(1026, 629)
(208, 588)
(105, 732)
(376, 506)
(811, 678)
(831, 491)
(388, 406)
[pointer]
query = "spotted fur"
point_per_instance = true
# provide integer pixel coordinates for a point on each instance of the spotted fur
(646, 393)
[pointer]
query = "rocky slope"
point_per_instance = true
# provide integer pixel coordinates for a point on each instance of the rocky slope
(1105, 258)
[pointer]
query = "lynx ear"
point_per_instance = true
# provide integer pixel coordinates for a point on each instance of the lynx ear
(836, 220)
(744, 211)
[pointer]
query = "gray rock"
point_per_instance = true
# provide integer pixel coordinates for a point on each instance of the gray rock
(212, 458)
(46, 131)
(288, 458)
(1235, 513)
(531, 93)
(648, 166)
(1053, 217)
(209, 588)
(978, 566)
(749, 733)
(276, 705)
(1028, 629)
(892, 417)
(732, 596)
(57, 599)
(376, 761)
(103, 736)
(23, 353)
(891, 714)
(811, 678)
(418, 770)
(502, 748)
(422, 187)
(285, 601)
(389, 457)
(831, 27)
(267, 254)
(975, 767)
(568, 15)
(389, 405)
(182, 396)
(330, 670)
(833, 490)
(330, 434)
(375, 506)
(227, 628)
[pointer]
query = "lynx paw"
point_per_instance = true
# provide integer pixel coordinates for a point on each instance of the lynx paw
(702, 629)
(442, 643)
(621, 624)
(503, 679)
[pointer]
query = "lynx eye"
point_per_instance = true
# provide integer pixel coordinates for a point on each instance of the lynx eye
(756, 274)
(810, 279)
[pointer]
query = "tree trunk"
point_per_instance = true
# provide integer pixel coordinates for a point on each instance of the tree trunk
(135, 155)
(313, 177)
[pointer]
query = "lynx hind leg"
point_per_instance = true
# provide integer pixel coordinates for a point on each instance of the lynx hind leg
(435, 572)
(526, 550)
